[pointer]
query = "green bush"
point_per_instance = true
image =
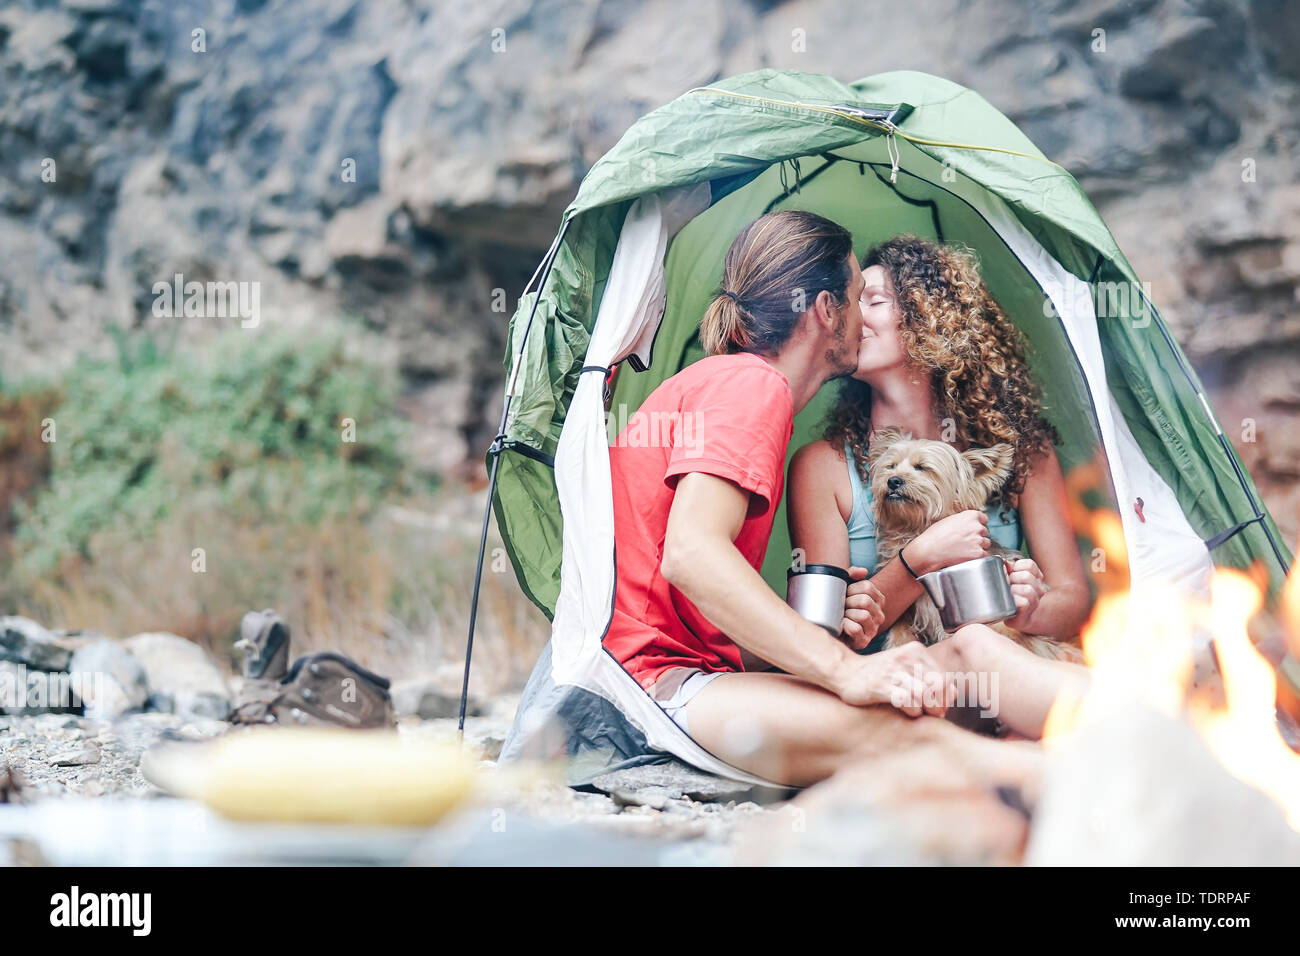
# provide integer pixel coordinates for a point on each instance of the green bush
(251, 427)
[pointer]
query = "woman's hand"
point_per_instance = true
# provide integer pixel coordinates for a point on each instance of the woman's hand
(956, 538)
(863, 611)
(905, 677)
(1027, 588)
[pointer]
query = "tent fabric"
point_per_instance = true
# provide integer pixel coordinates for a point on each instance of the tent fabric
(640, 253)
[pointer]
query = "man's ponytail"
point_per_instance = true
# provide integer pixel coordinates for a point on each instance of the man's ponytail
(722, 330)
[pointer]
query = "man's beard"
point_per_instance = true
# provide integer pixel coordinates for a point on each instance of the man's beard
(843, 359)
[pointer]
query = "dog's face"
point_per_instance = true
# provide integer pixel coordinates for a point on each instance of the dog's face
(916, 482)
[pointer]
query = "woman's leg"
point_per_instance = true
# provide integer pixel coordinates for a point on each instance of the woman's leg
(1024, 685)
(789, 731)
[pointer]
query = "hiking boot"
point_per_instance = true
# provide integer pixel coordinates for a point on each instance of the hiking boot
(330, 688)
(264, 639)
(321, 688)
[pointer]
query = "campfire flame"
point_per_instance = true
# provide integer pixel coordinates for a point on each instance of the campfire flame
(1154, 649)
(1243, 734)
(1290, 606)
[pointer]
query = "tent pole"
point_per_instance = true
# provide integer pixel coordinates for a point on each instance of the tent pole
(498, 445)
(495, 450)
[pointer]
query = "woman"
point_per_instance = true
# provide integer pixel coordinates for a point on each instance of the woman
(939, 359)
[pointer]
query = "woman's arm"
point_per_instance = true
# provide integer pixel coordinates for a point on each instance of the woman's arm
(951, 540)
(818, 503)
(1063, 607)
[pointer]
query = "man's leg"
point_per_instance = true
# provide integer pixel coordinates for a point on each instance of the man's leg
(1025, 684)
(789, 731)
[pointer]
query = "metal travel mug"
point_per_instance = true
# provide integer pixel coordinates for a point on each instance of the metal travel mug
(972, 592)
(817, 592)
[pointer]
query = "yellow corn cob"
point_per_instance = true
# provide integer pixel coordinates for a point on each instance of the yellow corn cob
(333, 776)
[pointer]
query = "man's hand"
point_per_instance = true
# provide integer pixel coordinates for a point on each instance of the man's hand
(905, 677)
(863, 611)
(956, 538)
(1027, 588)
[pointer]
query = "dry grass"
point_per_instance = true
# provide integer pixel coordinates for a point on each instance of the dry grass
(24, 456)
(393, 593)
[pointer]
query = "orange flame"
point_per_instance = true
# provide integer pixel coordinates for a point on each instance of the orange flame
(1143, 649)
(1243, 734)
(1290, 605)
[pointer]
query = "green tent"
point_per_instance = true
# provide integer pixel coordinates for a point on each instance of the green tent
(901, 152)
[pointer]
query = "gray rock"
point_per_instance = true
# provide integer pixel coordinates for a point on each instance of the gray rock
(908, 807)
(27, 690)
(13, 688)
(203, 729)
(669, 781)
(191, 706)
(25, 642)
(490, 746)
(82, 756)
(183, 678)
(112, 681)
(431, 699)
(658, 798)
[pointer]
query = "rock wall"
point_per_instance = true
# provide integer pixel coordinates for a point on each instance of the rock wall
(401, 160)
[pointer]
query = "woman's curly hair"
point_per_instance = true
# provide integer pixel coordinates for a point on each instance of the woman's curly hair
(954, 328)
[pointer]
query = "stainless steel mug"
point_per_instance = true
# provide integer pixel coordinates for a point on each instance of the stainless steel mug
(817, 592)
(972, 592)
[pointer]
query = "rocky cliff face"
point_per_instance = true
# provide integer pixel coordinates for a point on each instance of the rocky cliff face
(407, 160)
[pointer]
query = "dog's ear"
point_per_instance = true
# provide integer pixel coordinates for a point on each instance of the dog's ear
(992, 467)
(880, 440)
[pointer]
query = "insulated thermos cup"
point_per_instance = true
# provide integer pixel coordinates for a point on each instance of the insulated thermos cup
(817, 592)
(972, 592)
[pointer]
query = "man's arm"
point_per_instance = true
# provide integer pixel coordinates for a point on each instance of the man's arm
(700, 560)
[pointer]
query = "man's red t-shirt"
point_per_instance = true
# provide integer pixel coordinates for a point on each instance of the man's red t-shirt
(726, 415)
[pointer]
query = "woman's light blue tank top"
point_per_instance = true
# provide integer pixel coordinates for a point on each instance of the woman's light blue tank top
(1004, 521)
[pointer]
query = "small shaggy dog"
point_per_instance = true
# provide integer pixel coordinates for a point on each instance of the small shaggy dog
(916, 482)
